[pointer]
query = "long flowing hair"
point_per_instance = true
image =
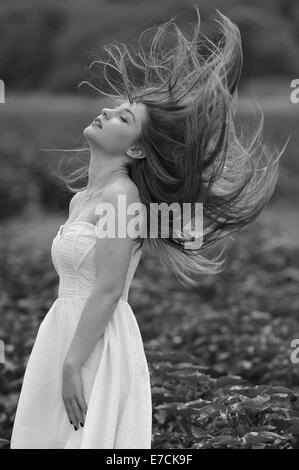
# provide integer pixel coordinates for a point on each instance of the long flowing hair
(193, 153)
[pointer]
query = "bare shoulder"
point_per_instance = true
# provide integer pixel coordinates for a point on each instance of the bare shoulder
(123, 195)
(122, 186)
(74, 201)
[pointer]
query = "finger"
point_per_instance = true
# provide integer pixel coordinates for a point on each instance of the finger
(77, 412)
(81, 405)
(72, 413)
(68, 411)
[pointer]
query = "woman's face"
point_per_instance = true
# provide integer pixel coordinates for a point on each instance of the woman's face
(120, 127)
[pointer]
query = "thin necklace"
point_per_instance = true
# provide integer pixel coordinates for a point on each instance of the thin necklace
(89, 196)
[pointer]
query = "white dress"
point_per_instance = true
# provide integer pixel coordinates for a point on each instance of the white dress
(116, 379)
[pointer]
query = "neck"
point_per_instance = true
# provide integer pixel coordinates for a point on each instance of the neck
(102, 170)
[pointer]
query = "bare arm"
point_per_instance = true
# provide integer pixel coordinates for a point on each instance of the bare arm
(112, 262)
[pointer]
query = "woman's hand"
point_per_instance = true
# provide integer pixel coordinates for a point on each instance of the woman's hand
(72, 395)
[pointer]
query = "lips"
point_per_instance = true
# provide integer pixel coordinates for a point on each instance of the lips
(98, 122)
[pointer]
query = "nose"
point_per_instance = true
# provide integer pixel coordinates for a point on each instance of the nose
(105, 112)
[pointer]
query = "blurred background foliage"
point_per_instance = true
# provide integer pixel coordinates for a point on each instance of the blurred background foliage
(45, 44)
(219, 354)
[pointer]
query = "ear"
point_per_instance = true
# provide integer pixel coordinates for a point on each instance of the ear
(135, 152)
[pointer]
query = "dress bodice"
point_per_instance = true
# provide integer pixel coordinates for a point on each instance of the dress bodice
(73, 256)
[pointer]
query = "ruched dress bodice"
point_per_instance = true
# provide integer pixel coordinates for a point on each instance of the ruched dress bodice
(73, 255)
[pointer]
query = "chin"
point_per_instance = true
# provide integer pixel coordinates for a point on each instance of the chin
(89, 131)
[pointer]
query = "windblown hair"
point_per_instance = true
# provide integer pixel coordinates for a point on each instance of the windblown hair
(193, 153)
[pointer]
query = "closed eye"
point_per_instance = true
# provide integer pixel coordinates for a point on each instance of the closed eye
(123, 119)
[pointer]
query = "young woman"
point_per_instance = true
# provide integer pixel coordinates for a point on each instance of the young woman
(169, 136)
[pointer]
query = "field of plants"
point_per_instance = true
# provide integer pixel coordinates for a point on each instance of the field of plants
(219, 354)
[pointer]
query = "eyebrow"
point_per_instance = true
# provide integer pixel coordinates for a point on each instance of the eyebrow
(129, 111)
